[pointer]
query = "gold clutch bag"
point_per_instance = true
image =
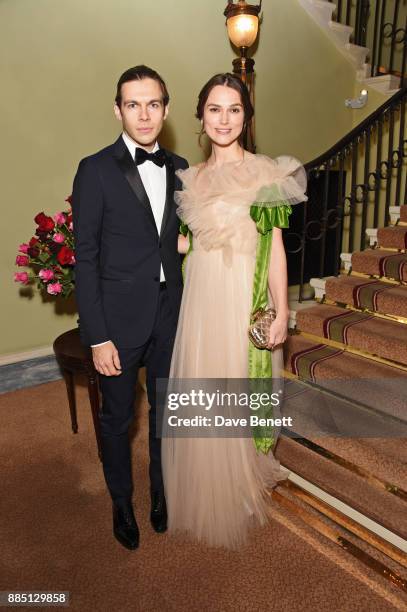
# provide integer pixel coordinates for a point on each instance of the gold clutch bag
(259, 330)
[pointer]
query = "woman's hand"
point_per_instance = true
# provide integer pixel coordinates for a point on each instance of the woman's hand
(278, 331)
(183, 244)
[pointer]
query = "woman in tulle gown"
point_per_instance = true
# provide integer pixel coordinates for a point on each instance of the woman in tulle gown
(215, 487)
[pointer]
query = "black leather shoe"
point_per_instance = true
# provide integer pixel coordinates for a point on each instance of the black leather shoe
(158, 516)
(125, 528)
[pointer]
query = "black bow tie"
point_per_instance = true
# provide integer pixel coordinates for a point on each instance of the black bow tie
(142, 155)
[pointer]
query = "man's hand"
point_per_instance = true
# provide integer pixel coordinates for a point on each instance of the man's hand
(106, 359)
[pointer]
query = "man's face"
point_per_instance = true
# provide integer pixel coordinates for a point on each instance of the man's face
(142, 111)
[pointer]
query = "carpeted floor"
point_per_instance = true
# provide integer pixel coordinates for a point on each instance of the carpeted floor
(56, 533)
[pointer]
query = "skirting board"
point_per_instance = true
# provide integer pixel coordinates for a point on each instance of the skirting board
(28, 373)
(42, 351)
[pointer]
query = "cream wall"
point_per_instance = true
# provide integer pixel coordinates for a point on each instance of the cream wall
(59, 61)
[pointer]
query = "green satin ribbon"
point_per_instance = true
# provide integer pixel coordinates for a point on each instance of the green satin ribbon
(185, 231)
(266, 218)
(183, 228)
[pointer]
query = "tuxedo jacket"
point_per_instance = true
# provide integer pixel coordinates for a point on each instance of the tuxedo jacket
(118, 250)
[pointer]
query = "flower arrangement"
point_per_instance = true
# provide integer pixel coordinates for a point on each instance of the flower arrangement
(49, 255)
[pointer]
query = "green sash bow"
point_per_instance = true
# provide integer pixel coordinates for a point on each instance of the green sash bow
(185, 231)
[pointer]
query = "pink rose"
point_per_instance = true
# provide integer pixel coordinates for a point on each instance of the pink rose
(22, 260)
(46, 275)
(21, 277)
(54, 288)
(58, 237)
(23, 248)
(59, 218)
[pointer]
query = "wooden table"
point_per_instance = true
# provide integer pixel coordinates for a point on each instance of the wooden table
(73, 358)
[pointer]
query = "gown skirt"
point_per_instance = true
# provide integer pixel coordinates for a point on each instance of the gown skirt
(216, 488)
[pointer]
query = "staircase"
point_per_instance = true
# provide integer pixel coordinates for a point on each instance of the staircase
(345, 361)
(351, 341)
(330, 16)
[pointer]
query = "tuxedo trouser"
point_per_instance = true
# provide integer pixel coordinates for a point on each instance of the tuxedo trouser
(118, 395)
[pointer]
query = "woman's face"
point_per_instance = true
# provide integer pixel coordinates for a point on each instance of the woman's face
(223, 116)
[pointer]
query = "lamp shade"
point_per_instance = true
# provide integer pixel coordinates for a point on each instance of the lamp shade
(243, 29)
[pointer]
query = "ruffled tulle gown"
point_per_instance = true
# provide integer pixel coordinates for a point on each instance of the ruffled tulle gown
(215, 487)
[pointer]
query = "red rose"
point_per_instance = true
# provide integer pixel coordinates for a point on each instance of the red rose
(54, 248)
(45, 224)
(42, 235)
(65, 256)
(69, 199)
(33, 252)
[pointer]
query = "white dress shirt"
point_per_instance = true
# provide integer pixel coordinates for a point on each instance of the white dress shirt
(155, 183)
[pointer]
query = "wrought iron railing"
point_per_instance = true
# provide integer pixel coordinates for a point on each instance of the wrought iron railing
(379, 25)
(350, 188)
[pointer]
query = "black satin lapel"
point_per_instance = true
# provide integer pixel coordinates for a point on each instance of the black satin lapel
(169, 199)
(130, 171)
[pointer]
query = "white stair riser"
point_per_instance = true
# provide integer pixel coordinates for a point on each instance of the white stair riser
(394, 214)
(383, 83)
(371, 233)
(357, 54)
(346, 259)
(341, 34)
(318, 284)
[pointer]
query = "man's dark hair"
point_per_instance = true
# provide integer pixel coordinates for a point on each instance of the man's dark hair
(137, 74)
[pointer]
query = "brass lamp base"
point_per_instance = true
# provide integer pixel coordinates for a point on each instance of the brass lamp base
(243, 66)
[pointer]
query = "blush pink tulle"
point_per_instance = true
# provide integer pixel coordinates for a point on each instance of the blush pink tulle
(216, 488)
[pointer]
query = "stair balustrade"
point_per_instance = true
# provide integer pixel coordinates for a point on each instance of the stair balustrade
(351, 187)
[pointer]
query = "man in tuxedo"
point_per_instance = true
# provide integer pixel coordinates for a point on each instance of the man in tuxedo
(128, 280)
